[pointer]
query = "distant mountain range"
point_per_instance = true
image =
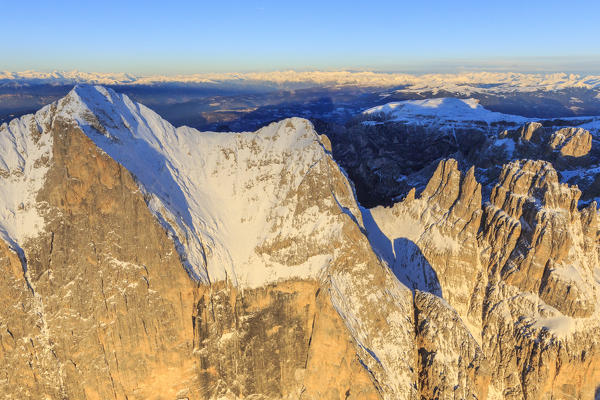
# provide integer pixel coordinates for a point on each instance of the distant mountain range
(480, 82)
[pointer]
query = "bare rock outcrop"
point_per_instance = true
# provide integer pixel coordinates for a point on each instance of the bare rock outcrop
(281, 341)
(542, 256)
(547, 258)
(452, 364)
(434, 239)
(107, 293)
(571, 142)
(530, 132)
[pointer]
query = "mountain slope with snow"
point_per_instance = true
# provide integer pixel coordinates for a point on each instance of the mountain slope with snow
(250, 211)
(223, 196)
(25, 153)
(291, 293)
(442, 110)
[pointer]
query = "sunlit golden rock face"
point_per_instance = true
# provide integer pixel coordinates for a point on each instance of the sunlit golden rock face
(109, 301)
(281, 341)
(571, 142)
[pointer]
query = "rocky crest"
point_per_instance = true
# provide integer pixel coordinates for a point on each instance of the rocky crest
(126, 301)
(387, 157)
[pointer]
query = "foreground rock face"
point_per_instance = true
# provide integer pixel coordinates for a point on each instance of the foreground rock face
(282, 341)
(114, 291)
(108, 308)
(106, 297)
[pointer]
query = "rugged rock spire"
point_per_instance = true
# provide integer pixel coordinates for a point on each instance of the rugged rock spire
(572, 142)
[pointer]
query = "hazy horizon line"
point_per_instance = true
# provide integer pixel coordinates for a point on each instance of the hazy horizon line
(405, 71)
(580, 64)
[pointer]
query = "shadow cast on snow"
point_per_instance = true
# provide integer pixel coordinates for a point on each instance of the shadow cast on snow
(404, 257)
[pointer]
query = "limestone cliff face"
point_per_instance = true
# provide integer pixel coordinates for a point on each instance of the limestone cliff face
(534, 141)
(543, 260)
(107, 307)
(529, 132)
(280, 341)
(434, 239)
(548, 256)
(451, 362)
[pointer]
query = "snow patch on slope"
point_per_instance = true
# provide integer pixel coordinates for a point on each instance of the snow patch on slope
(25, 154)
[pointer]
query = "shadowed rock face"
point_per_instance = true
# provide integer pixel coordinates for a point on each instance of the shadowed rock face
(386, 158)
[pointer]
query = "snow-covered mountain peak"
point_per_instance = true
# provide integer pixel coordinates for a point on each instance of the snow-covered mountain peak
(98, 109)
(239, 206)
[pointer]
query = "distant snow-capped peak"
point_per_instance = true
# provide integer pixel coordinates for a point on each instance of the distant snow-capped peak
(441, 109)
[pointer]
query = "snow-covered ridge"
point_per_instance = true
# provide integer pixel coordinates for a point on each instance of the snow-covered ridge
(480, 82)
(443, 109)
(451, 112)
(222, 196)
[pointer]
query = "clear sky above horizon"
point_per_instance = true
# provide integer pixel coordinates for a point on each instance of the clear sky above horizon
(148, 37)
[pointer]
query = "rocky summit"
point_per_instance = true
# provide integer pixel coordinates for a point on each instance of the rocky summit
(144, 261)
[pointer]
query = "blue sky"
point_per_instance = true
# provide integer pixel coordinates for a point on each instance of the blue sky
(201, 36)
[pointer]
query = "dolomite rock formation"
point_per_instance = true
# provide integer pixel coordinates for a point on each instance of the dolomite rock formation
(534, 141)
(284, 341)
(144, 261)
(572, 142)
(528, 287)
(529, 132)
(105, 296)
(434, 239)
